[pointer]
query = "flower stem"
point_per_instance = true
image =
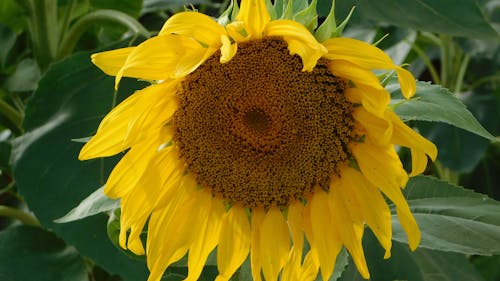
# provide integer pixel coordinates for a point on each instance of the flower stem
(14, 213)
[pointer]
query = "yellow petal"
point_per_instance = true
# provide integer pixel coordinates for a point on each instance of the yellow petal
(405, 136)
(227, 50)
(326, 243)
(309, 269)
(350, 231)
(131, 121)
(162, 57)
(418, 162)
(379, 130)
(208, 237)
(111, 61)
(236, 30)
(380, 165)
(234, 242)
(294, 218)
(275, 243)
(194, 25)
(355, 73)
(362, 197)
(170, 222)
(143, 199)
(255, 252)
(129, 170)
(369, 57)
(409, 225)
(254, 15)
(300, 41)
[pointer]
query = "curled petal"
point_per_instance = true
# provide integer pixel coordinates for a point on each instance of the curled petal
(164, 57)
(300, 41)
(368, 57)
(419, 146)
(194, 25)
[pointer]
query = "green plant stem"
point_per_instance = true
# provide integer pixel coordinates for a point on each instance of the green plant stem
(461, 73)
(67, 17)
(43, 29)
(97, 17)
(22, 216)
(11, 114)
(428, 63)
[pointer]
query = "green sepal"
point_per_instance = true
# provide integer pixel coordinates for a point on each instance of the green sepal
(224, 18)
(271, 10)
(279, 7)
(328, 28)
(293, 7)
(308, 16)
(340, 28)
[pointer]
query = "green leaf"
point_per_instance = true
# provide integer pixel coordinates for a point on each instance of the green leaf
(462, 18)
(421, 265)
(12, 15)
(31, 253)
(436, 104)
(69, 103)
(130, 7)
(451, 218)
(95, 203)
(460, 150)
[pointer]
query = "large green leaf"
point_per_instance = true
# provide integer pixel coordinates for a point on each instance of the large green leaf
(452, 218)
(436, 104)
(69, 103)
(31, 253)
(96, 203)
(421, 265)
(462, 18)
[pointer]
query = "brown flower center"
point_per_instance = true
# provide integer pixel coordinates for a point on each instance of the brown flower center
(260, 131)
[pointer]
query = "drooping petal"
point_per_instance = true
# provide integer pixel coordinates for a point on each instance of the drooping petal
(404, 214)
(170, 222)
(163, 57)
(300, 41)
(275, 243)
(368, 57)
(405, 136)
(326, 241)
(144, 111)
(110, 62)
(210, 220)
(255, 252)
(194, 25)
(138, 205)
(255, 17)
(363, 198)
(234, 242)
(380, 164)
(379, 130)
(349, 230)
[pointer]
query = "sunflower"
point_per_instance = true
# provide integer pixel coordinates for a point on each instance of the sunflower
(254, 139)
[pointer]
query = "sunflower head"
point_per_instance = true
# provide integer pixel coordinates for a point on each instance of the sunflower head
(261, 131)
